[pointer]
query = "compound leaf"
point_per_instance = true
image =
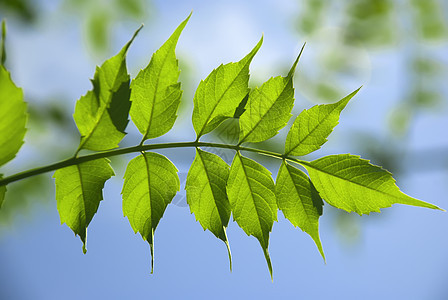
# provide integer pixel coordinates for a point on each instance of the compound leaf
(219, 95)
(150, 183)
(155, 92)
(102, 114)
(250, 189)
(312, 127)
(13, 117)
(206, 194)
(353, 184)
(79, 192)
(299, 201)
(268, 108)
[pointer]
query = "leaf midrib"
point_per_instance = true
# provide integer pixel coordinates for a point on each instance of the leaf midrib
(342, 178)
(222, 95)
(298, 194)
(210, 186)
(155, 92)
(262, 117)
(251, 196)
(314, 129)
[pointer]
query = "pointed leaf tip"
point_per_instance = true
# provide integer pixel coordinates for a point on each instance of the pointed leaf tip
(299, 201)
(268, 261)
(156, 92)
(312, 127)
(219, 95)
(341, 187)
(293, 68)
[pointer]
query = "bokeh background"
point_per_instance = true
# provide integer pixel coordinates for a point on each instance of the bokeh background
(398, 51)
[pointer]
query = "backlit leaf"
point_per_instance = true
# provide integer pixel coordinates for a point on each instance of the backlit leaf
(156, 91)
(299, 201)
(150, 183)
(79, 192)
(206, 193)
(219, 95)
(13, 117)
(102, 114)
(250, 189)
(353, 184)
(312, 127)
(268, 108)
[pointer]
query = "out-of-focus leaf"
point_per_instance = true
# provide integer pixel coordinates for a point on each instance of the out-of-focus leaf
(13, 117)
(2, 192)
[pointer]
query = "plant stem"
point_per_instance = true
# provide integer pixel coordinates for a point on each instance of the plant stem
(88, 157)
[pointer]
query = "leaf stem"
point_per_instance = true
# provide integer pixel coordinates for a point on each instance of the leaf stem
(76, 160)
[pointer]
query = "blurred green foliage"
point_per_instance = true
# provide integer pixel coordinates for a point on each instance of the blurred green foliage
(23, 9)
(100, 16)
(410, 27)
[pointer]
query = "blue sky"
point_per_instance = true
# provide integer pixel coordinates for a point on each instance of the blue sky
(399, 254)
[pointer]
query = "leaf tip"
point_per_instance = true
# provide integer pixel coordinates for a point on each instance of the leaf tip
(268, 261)
(294, 65)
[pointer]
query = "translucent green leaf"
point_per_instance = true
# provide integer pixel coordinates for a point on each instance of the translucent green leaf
(13, 117)
(353, 184)
(206, 194)
(312, 127)
(150, 183)
(155, 92)
(219, 95)
(102, 114)
(268, 108)
(2, 192)
(79, 192)
(250, 189)
(299, 201)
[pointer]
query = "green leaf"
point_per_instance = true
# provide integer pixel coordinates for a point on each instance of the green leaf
(219, 95)
(150, 183)
(79, 192)
(268, 108)
(241, 107)
(155, 92)
(13, 117)
(250, 189)
(299, 201)
(206, 194)
(353, 184)
(312, 127)
(2, 192)
(102, 114)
